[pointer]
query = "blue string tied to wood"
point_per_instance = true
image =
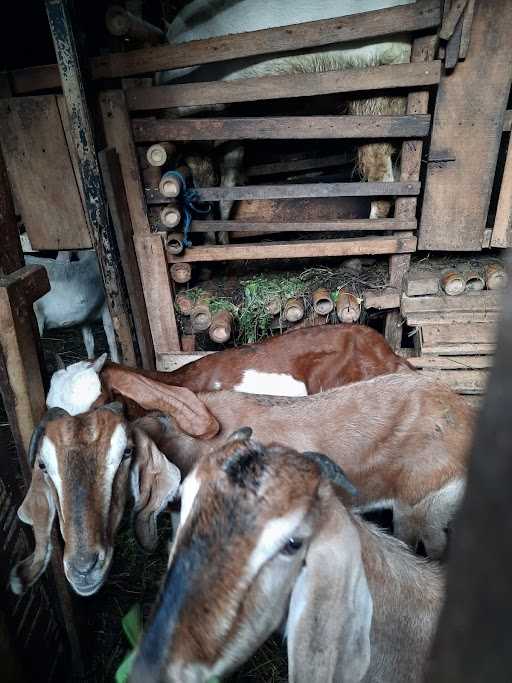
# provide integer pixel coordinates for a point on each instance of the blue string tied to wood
(190, 204)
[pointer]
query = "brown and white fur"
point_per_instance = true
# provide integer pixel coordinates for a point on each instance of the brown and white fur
(401, 438)
(296, 364)
(265, 541)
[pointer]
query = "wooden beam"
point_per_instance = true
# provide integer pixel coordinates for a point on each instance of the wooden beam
(421, 283)
(466, 136)
(96, 206)
(158, 293)
(382, 299)
(11, 256)
(481, 301)
(458, 333)
(281, 128)
(462, 349)
(295, 191)
(502, 230)
(467, 23)
(366, 224)
(288, 85)
(461, 381)
(452, 362)
(507, 120)
(25, 81)
(423, 15)
(299, 249)
(119, 211)
(451, 19)
(477, 316)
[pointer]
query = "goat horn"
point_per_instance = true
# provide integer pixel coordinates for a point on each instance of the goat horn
(332, 471)
(51, 414)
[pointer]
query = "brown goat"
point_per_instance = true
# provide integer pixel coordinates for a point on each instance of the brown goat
(265, 543)
(401, 438)
(303, 362)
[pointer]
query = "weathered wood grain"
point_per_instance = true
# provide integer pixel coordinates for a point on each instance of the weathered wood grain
(282, 128)
(452, 362)
(287, 85)
(461, 381)
(362, 224)
(467, 127)
(502, 230)
(458, 333)
(299, 249)
(424, 14)
(480, 301)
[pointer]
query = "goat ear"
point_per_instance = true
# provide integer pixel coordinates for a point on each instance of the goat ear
(155, 482)
(190, 413)
(38, 509)
(99, 363)
(330, 604)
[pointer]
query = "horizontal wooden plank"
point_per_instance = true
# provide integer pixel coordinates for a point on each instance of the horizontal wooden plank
(34, 78)
(168, 362)
(461, 381)
(452, 362)
(465, 349)
(282, 128)
(421, 283)
(507, 120)
(421, 74)
(362, 224)
(423, 15)
(447, 317)
(459, 333)
(298, 249)
(480, 301)
(382, 299)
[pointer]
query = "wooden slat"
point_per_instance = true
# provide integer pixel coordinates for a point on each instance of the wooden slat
(452, 362)
(295, 191)
(41, 171)
(282, 128)
(421, 283)
(45, 77)
(507, 120)
(417, 319)
(286, 85)
(424, 14)
(362, 224)
(118, 205)
(157, 292)
(467, 23)
(453, 47)
(451, 19)
(299, 249)
(502, 230)
(459, 333)
(461, 381)
(457, 192)
(481, 301)
(168, 362)
(382, 299)
(464, 349)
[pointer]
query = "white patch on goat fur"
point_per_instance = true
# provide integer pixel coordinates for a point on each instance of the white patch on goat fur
(48, 455)
(270, 383)
(189, 491)
(272, 538)
(75, 388)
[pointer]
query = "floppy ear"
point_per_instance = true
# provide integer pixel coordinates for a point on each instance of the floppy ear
(155, 482)
(330, 612)
(191, 414)
(38, 509)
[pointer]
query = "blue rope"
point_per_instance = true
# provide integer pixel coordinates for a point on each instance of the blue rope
(190, 203)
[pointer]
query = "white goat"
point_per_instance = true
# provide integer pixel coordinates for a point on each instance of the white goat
(211, 18)
(264, 542)
(76, 297)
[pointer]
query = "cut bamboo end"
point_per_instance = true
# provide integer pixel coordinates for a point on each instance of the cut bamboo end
(322, 302)
(170, 185)
(117, 20)
(170, 216)
(273, 306)
(348, 307)
(221, 326)
(174, 242)
(200, 316)
(181, 272)
(495, 276)
(474, 281)
(184, 303)
(453, 283)
(294, 310)
(160, 153)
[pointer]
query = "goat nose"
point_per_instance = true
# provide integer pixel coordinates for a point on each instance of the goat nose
(84, 564)
(420, 549)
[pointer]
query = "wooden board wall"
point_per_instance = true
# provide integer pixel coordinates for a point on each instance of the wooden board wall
(466, 135)
(42, 172)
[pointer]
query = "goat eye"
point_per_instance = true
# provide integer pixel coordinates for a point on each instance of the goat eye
(292, 546)
(127, 452)
(42, 466)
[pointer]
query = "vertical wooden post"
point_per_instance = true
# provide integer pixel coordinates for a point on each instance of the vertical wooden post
(423, 50)
(157, 285)
(95, 203)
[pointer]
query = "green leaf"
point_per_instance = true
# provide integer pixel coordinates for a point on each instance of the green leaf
(124, 669)
(132, 624)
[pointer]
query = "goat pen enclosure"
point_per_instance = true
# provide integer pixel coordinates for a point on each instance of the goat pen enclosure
(127, 130)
